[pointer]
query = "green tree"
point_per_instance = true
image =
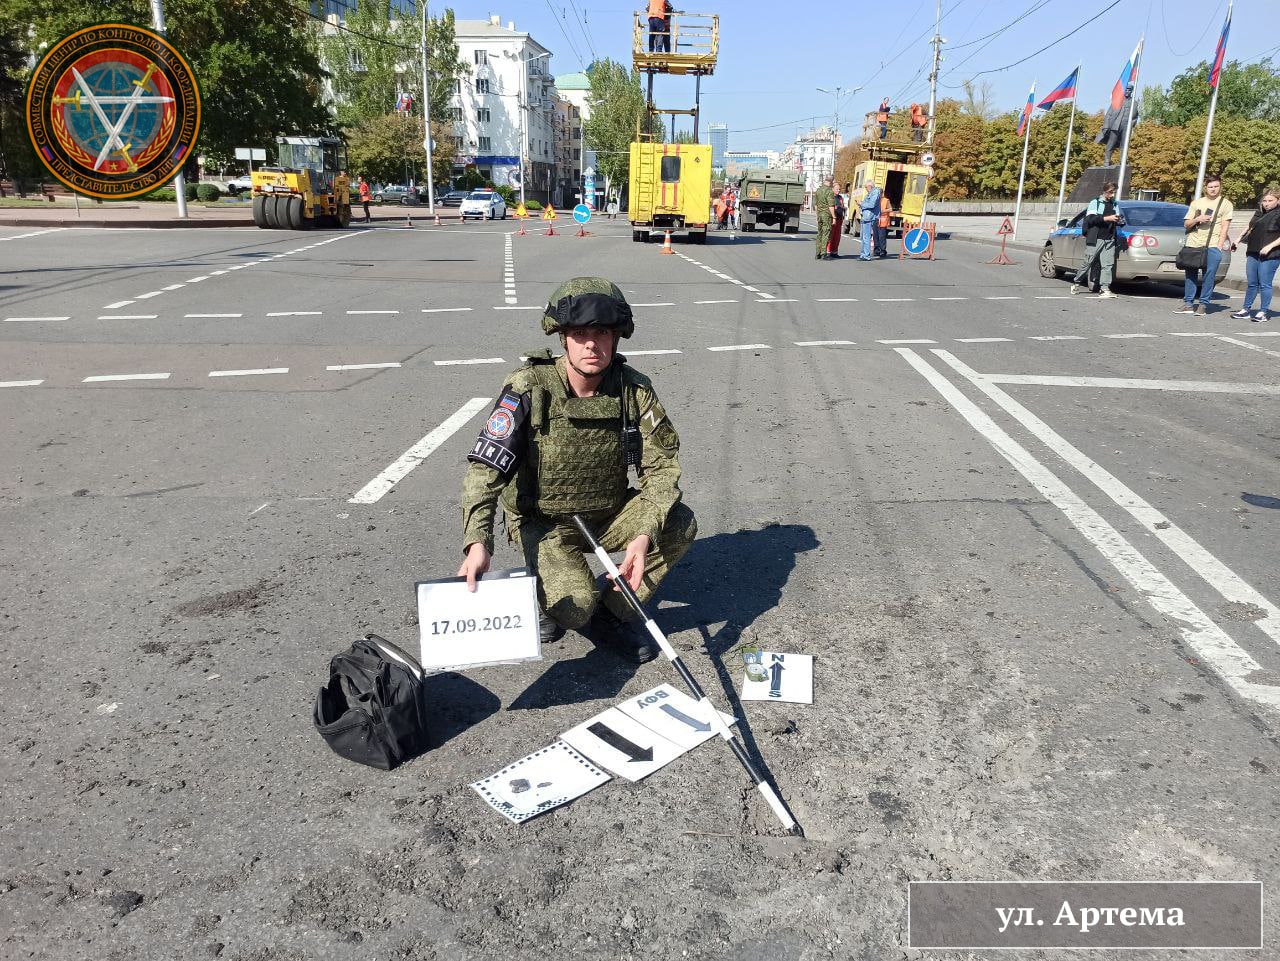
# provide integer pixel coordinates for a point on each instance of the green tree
(618, 113)
(1249, 91)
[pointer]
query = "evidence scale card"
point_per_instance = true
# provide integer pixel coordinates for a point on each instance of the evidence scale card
(497, 624)
(544, 780)
(789, 677)
(674, 715)
(622, 745)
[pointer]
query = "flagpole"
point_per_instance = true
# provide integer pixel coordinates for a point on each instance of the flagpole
(1133, 109)
(1213, 107)
(1066, 157)
(1026, 142)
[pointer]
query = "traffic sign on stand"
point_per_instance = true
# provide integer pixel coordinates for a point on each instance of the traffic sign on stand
(582, 214)
(1006, 227)
(918, 242)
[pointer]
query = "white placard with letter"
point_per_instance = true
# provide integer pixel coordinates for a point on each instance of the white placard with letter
(498, 624)
(789, 677)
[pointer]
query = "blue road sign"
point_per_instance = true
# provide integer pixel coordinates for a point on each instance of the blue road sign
(916, 241)
(581, 213)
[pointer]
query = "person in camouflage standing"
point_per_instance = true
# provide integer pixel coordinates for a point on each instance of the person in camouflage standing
(559, 441)
(824, 206)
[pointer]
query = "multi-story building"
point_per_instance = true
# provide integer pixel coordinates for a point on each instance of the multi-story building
(341, 8)
(575, 88)
(718, 137)
(509, 69)
(568, 153)
(814, 153)
(738, 162)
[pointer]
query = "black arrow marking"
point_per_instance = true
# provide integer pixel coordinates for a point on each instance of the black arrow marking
(775, 682)
(620, 743)
(679, 715)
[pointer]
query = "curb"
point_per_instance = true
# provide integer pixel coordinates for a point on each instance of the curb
(1226, 283)
(90, 222)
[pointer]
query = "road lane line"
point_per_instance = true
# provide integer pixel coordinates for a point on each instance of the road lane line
(31, 320)
(34, 233)
(741, 347)
(1131, 383)
(99, 378)
(837, 300)
(126, 316)
(373, 491)
(948, 298)
(1213, 645)
(985, 340)
(1058, 337)
(210, 316)
(906, 341)
(1245, 343)
(294, 313)
(172, 287)
(1001, 298)
(821, 343)
(118, 304)
(663, 304)
(713, 302)
(146, 296)
(392, 363)
(251, 372)
(373, 311)
(21, 383)
(1216, 574)
(1193, 333)
(518, 308)
(472, 360)
(1261, 333)
(196, 280)
(644, 353)
(893, 300)
(780, 300)
(1127, 336)
(445, 310)
(509, 271)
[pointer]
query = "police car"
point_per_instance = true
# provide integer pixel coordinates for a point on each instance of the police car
(484, 205)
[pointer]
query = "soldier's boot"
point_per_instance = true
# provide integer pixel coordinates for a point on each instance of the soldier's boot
(549, 630)
(627, 639)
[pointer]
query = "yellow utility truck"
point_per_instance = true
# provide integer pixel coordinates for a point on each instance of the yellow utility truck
(307, 187)
(898, 164)
(670, 190)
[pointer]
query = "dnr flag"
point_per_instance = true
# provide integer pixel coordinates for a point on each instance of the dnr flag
(1025, 120)
(1063, 91)
(1215, 71)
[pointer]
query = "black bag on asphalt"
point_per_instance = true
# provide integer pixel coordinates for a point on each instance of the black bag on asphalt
(373, 710)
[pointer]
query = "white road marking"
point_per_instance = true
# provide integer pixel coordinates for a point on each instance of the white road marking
(118, 304)
(821, 343)
(445, 310)
(1130, 383)
(28, 320)
(294, 313)
(211, 316)
(893, 300)
(97, 378)
(906, 341)
(373, 311)
(1001, 298)
(948, 298)
(249, 373)
(715, 301)
(1216, 574)
(1127, 336)
(126, 316)
(1245, 343)
(741, 347)
(781, 300)
(645, 353)
(837, 300)
(256, 509)
(985, 340)
(663, 304)
(1261, 333)
(517, 308)
(372, 492)
(34, 233)
(473, 360)
(149, 294)
(21, 383)
(392, 363)
(1193, 333)
(509, 271)
(1059, 337)
(173, 287)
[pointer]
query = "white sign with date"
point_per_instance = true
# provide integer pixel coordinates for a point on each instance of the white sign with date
(498, 624)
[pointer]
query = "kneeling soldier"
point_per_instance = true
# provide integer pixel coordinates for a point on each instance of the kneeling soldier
(559, 442)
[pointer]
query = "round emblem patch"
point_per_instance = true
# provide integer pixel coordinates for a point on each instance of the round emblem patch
(113, 111)
(499, 424)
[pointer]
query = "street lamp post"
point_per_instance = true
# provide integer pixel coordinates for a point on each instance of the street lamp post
(426, 116)
(836, 94)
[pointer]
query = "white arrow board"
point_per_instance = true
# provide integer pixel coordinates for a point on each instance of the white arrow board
(543, 780)
(674, 715)
(788, 677)
(622, 745)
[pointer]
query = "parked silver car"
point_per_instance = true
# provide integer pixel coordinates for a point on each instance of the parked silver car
(1154, 233)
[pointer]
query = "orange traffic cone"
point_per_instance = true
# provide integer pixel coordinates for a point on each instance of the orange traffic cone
(438, 218)
(666, 244)
(521, 232)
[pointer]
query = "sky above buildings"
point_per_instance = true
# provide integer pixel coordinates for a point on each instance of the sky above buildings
(774, 55)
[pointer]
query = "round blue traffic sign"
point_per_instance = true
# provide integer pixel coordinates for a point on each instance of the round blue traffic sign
(581, 213)
(916, 241)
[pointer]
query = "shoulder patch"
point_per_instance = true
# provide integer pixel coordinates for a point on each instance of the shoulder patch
(502, 439)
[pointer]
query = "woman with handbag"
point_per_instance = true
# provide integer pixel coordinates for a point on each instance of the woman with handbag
(1263, 235)
(1207, 222)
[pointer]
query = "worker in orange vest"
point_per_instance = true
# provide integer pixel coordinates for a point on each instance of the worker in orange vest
(366, 197)
(721, 208)
(882, 226)
(660, 26)
(919, 120)
(882, 118)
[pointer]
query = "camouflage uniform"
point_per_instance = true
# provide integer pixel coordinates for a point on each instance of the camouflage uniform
(824, 198)
(570, 459)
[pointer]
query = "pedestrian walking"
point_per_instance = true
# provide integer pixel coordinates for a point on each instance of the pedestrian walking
(824, 208)
(366, 197)
(721, 208)
(559, 442)
(660, 26)
(612, 208)
(869, 212)
(882, 225)
(1263, 256)
(1201, 255)
(882, 118)
(1101, 218)
(837, 222)
(919, 122)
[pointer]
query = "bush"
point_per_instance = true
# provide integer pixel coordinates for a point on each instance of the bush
(208, 192)
(508, 194)
(161, 194)
(532, 205)
(189, 191)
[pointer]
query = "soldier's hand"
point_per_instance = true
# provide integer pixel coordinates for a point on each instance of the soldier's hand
(474, 564)
(632, 566)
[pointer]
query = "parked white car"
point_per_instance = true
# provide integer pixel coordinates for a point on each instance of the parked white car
(485, 205)
(241, 185)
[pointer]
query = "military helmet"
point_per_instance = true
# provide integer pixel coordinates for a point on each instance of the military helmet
(588, 302)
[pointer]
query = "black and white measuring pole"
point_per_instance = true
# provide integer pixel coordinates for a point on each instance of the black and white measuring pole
(717, 722)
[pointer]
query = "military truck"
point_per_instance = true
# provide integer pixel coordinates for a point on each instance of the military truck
(771, 197)
(308, 185)
(670, 190)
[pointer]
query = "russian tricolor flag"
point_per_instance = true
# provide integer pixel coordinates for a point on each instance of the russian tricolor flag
(1063, 91)
(1220, 54)
(1025, 119)
(1128, 78)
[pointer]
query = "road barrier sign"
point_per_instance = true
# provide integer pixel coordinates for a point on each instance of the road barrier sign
(1006, 228)
(549, 215)
(521, 211)
(918, 242)
(582, 213)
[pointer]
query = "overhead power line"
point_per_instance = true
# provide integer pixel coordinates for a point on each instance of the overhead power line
(1049, 46)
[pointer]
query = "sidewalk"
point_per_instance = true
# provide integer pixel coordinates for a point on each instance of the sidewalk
(1032, 232)
(63, 213)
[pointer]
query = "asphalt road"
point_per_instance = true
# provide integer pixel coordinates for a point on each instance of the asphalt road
(1030, 539)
